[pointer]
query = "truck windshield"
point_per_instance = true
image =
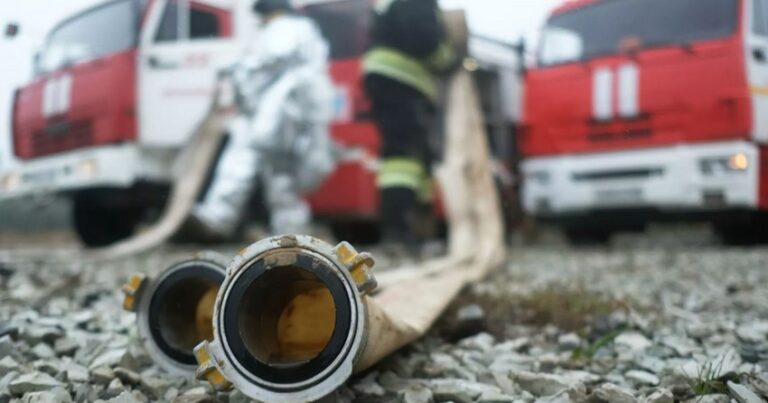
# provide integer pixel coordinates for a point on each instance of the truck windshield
(615, 26)
(99, 32)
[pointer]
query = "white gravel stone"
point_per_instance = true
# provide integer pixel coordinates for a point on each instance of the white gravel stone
(154, 386)
(683, 347)
(58, 395)
(49, 367)
(110, 359)
(417, 394)
(569, 341)
(660, 396)
(115, 388)
(76, 373)
(717, 398)
(482, 342)
(642, 377)
(743, 394)
(66, 346)
(37, 334)
(633, 340)
(43, 351)
(753, 332)
(7, 365)
(125, 397)
(495, 397)
(194, 399)
(368, 386)
(612, 393)
(196, 391)
(102, 375)
(540, 384)
(127, 376)
(33, 382)
(459, 390)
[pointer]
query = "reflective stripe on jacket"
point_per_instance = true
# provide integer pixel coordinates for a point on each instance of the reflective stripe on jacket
(398, 66)
(402, 172)
(409, 44)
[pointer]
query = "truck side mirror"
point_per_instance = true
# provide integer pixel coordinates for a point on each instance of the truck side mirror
(521, 49)
(11, 30)
(37, 62)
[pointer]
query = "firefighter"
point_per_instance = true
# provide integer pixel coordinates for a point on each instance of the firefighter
(279, 136)
(409, 53)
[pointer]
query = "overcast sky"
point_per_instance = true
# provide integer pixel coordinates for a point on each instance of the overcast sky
(507, 20)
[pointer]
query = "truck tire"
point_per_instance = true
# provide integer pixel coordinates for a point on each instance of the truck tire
(588, 236)
(98, 224)
(749, 232)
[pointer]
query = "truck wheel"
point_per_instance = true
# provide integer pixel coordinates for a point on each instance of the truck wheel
(100, 225)
(588, 236)
(742, 233)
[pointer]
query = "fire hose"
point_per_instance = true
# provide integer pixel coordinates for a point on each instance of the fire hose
(292, 318)
(295, 317)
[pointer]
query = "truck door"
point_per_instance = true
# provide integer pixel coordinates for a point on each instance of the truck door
(185, 44)
(757, 65)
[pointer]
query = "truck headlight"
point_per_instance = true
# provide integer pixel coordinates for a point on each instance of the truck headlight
(10, 182)
(738, 162)
(88, 168)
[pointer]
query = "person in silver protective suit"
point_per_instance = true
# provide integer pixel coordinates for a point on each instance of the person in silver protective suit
(280, 132)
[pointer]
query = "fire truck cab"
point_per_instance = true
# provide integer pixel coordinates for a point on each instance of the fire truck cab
(641, 110)
(120, 87)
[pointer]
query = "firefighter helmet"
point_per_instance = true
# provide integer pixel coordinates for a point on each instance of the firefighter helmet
(266, 7)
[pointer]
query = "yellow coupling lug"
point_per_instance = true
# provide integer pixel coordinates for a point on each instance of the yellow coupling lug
(360, 265)
(132, 289)
(207, 371)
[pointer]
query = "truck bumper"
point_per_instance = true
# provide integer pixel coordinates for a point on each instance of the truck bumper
(110, 166)
(678, 179)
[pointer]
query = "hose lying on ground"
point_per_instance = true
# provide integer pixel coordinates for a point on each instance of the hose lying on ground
(296, 317)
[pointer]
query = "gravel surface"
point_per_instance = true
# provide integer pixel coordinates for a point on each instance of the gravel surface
(665, 317)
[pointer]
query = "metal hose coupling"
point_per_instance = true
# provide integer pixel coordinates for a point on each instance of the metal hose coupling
(174, 311)
(290, 321)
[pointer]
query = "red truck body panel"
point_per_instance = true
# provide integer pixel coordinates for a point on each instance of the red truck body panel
(96, 115)
(351, 191)
(686, 94)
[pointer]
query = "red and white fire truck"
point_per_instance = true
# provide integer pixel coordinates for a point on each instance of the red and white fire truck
(120, 88)
(646, 109)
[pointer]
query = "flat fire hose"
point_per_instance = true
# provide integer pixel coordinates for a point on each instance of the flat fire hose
(191, 170)
(412, 299)
(286, 297)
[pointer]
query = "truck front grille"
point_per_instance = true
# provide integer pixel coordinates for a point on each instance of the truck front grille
(638, 173)
(59, 137)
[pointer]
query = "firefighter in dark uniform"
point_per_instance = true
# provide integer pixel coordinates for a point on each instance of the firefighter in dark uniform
(409, 53)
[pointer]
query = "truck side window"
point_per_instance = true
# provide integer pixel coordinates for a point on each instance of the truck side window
(208, 22)
(194, 21)
(168, 31)
(202, 25)
(760, 17)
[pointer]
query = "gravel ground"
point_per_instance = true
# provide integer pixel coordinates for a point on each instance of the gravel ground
(670, 316)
